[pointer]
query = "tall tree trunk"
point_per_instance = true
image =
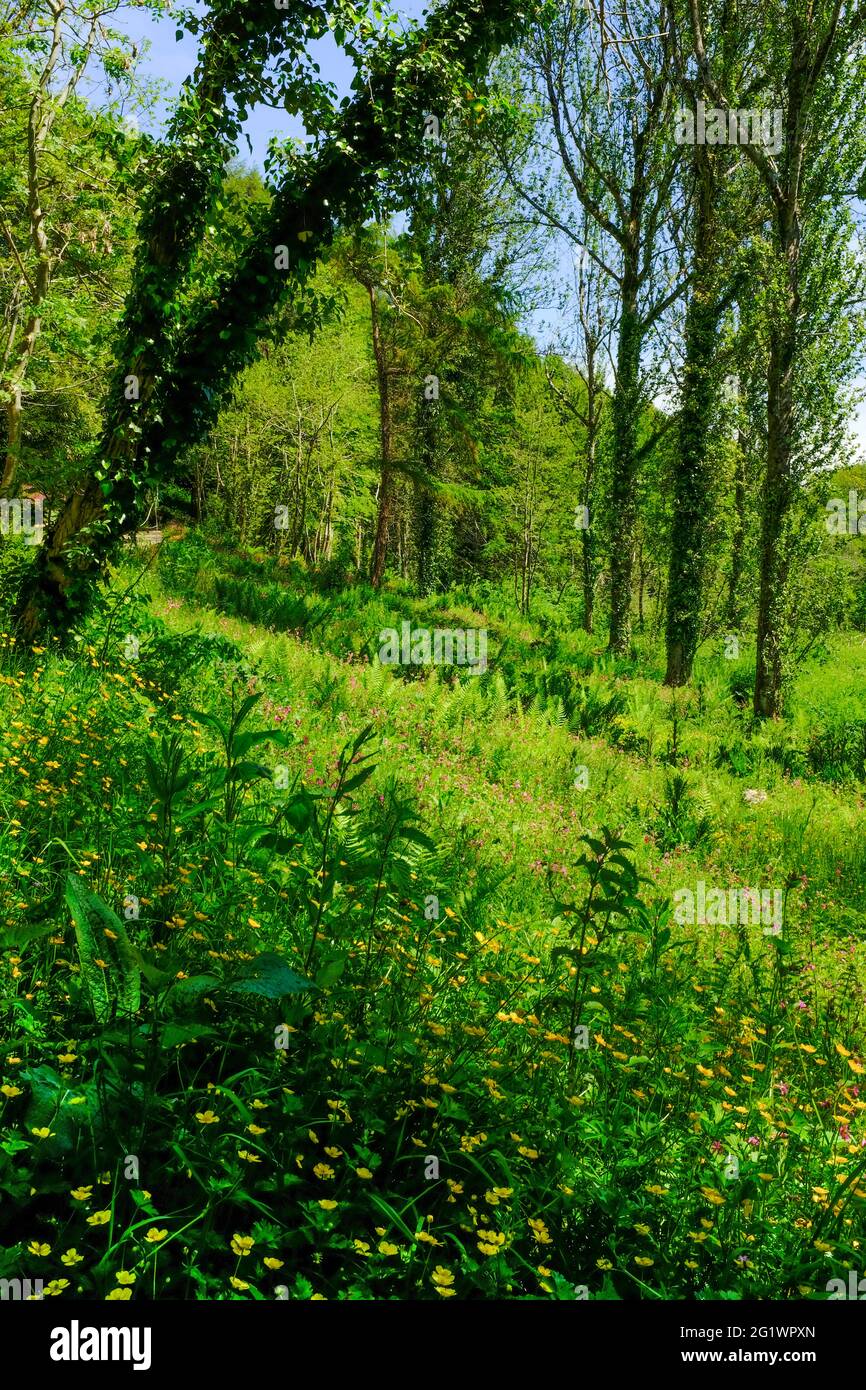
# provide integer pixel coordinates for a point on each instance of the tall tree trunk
(626, 409)
(778, 493)
(641, 584)
(733, 612)
(779, 485)
(586, 542)
(383, 516)
(587, 546)
(691, 481)
(426, 509)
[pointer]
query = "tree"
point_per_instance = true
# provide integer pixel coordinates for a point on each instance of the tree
(587, 406)
(61, 201)
(809, 62)
(184, 355)
(605, 108)
(715, 275)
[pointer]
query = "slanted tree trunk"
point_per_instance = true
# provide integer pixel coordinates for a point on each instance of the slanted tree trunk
(185, 374)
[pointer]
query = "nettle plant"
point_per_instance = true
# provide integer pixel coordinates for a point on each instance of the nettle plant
(610, 907)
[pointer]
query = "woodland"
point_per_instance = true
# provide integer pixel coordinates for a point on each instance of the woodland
(432, 650)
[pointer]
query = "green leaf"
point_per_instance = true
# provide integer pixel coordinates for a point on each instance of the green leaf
(248, 772)
(244, 742)
(173, 1034)
(88, 949)
(269, 975)
(211, 721)
(358, 780)
(330, 972)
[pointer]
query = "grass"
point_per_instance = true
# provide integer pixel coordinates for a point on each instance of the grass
(322, 982)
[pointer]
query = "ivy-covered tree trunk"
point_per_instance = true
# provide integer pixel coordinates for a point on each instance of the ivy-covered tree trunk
(386, 434)
(587, 547)
(779, 486)
(626, 413)
(592, 428)
(691, 482)
(184, 358)
(425, 517)
(733, 611)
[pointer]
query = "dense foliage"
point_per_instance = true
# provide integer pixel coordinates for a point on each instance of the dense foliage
(331, 967)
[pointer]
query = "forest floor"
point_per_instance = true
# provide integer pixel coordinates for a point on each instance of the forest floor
(329, 980)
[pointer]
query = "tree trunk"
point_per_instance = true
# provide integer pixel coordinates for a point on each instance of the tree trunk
(691, 481)
(626, 408)
(779, 481)
(587, 547)
(733, 614)
(383, 516)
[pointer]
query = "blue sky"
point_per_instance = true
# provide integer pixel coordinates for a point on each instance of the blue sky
(169, 61)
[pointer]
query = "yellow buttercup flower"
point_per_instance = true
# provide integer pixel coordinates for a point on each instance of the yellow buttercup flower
(490, 1242)
(154, 1236)
(540, 1231)
(713, 1196)
(118, 1295)
(242, 1245)
(442, 1279)
(99, 1218)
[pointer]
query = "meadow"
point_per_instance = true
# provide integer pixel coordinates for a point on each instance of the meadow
(326, 982)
